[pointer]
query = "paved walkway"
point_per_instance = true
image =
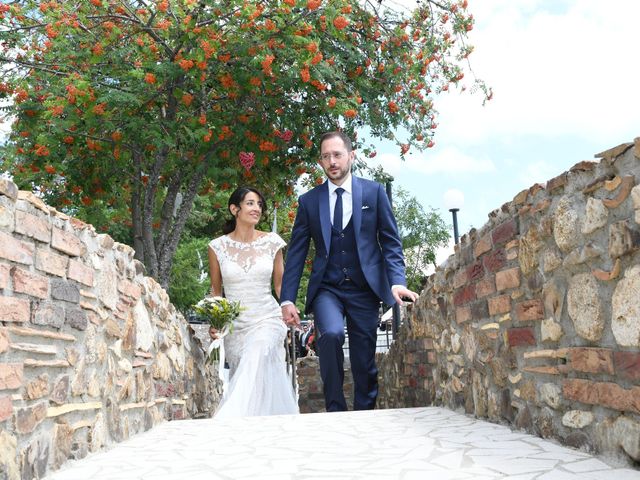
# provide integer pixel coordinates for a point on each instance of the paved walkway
(417, 443)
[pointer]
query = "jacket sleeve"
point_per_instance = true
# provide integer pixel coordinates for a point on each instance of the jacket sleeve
(296, 255)
(389, 240)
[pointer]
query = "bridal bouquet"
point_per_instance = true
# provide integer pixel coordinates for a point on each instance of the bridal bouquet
(220, 313)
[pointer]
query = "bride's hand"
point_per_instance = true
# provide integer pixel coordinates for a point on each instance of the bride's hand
(213, 333)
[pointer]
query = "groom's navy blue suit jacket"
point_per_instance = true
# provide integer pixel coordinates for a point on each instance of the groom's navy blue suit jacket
(378, 243)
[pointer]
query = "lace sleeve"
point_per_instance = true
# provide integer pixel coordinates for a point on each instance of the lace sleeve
(276, 243)
(216, 246)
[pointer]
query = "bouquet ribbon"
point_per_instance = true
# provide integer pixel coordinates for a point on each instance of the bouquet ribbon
(219, 343)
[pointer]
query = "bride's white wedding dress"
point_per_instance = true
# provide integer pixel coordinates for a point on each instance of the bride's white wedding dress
(258, 380)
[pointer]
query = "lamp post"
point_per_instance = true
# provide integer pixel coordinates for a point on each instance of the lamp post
(454, 199)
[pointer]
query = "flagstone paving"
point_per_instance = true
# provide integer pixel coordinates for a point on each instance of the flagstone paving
(414, 443)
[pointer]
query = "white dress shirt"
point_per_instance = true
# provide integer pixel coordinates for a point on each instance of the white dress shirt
(347, 200)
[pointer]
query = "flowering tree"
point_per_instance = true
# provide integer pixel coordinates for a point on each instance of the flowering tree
(125, 110)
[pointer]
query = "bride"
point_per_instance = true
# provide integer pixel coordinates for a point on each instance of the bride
(243, 262)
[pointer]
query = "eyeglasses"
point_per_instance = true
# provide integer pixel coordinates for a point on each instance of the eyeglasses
(336, 155)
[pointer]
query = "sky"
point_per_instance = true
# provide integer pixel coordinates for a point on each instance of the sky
(565, 76)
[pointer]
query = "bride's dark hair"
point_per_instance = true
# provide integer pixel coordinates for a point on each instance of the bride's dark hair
(235, 199)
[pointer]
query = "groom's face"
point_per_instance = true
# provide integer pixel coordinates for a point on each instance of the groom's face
(335, 160)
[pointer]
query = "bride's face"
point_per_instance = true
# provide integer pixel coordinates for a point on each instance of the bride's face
(250, 209)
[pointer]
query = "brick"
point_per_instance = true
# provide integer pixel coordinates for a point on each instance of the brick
(49, 314)
(521, 336)
(591, 360)
(606, 394)
(33, 226)
(627, 365)
(16, 250)
(79, 272)
(495, 260)
(431, 357)
(50, 262)
(479, 310)
(483, 245)
(14, 309)
(130, 289)
(504, 232)
(67, 242)
(6, 408)
(499, 304)
(475, 271)
(10, 376)
(530, 310)
(485, 287)
(463, 314)
(506, 279)
(464, 295)
(4, 276)
(30, 283)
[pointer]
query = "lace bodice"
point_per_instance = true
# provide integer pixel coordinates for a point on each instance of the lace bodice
(246, 270)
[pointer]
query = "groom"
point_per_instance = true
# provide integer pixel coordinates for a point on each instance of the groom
(358, 262)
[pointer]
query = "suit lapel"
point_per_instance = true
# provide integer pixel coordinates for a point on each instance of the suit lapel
(356, 213)
(325, 215)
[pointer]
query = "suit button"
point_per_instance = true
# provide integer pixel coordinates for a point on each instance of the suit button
(343, 252)
(326, 256)
(344, 270)
(342, 235)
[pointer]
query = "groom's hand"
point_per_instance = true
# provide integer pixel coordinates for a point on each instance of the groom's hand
(401, 293)
(290, 315)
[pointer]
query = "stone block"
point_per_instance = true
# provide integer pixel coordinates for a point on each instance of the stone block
(33, 226)
(30, 283)
(4, 276)
(623, 239)
(506, 279)
(596, 215)
(14, 309)
(557, 182)
(464, 295)
(530, 310)
(463, 314)
(6, 407)
(485, 287)
(495, 261)
(479, 310)
(27, 419)
(504, 232)
(566, 230)
(460, 279)
(130, 289)
(48, 314)
(483, 245)
(499, 304)
(625, 309)
(475, 271)
(8, 189)
(63, 290)
(77, 318)
(11, 376)
(16, 250)
(518, 337)
(585, 307)
(591, 360)
(50, 262)
(67, 242)
(627, 365)
(79, 272)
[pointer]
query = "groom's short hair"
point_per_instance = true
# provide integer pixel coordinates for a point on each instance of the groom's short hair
(341, 135)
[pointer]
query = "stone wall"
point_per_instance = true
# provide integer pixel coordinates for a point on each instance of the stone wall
(535, 320)
(91, 350)
(310, 396)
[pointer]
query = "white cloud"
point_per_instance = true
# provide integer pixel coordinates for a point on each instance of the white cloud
(448, 160)
(554, 71)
